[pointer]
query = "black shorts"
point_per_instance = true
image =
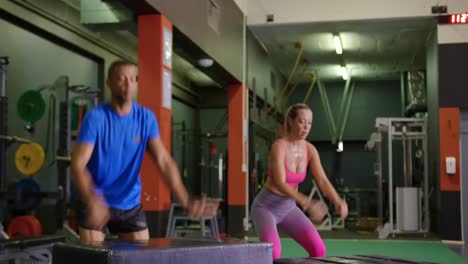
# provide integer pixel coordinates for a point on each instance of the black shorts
(121, 221)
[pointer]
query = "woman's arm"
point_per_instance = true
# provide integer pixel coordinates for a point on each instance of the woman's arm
(324, 184)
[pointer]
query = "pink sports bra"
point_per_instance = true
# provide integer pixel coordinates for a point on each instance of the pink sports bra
(293, 178)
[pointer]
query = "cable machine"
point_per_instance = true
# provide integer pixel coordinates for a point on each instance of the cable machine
(408, 205)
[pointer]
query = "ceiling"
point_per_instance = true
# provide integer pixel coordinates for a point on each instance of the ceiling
(181, 65)
(191, 72)
(372, 49)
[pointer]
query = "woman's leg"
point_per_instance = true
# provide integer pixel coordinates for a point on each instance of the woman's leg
(265, 225)
(299, 227)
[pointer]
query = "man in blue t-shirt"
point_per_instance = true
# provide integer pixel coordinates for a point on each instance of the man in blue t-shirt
(107, 158)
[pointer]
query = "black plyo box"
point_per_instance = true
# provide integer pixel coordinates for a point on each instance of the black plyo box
(164, 250)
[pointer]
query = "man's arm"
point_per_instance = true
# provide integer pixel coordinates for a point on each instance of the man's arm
(97, 211)
(169, 170)
(80, 175)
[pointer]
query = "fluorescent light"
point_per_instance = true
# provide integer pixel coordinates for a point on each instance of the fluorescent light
(344, 73)
(340, 147)
(338, 46)
(205, 62)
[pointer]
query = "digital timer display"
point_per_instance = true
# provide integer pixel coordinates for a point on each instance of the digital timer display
(458, 18)
(454, 19)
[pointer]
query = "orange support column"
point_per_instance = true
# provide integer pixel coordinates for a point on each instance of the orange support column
(237, 160)
(450, 218)
(154, 92)
(449, 128)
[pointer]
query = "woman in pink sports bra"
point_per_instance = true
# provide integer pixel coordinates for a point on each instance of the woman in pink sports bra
(275, 205)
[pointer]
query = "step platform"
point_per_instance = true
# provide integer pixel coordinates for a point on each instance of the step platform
(358, 259)
(29, 250)
(165, 250)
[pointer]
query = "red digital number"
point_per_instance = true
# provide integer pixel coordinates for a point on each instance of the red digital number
(458, 19)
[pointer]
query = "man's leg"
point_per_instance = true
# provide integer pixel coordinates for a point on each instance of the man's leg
(129, 224)
(88, 235)
(138, 235)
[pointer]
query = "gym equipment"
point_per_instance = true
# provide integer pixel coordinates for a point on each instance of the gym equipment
(326, 106)
(62, 156)
(31, 106)
(3, 131)
(299, 46)
(416, 92)
(29, 250)
(24, 226)
(79, 107)
(313, 78)
(175, 215)
(412, 215)
(27, 195)
(11, 139)
(337, 134)
(284, 100)
(29, 158)
(165, 250)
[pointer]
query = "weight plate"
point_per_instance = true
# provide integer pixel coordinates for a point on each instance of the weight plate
(31, 106)
(24, 226)
(28, 196)
(29, 158)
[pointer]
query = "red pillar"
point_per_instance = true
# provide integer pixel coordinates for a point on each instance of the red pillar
(237, 159)
(153, 72)
(449, 129)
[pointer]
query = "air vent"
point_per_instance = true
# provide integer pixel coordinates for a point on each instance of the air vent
(213, 15)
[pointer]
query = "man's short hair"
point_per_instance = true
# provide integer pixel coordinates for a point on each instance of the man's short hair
(117, 64)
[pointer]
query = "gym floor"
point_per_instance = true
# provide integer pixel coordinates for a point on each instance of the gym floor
(347, 243)
(431, 251)
(409, 246)
(461, 250)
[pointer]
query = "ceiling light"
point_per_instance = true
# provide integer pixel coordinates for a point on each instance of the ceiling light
(205, 62)
(338, 46)
(340, 147)
(344, 73)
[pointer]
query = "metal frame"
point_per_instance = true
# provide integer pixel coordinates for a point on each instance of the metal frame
(3, 144)
(345, 104)
(406, 130)
(41, 254)
(3, 74)
(328, 112)
(172, 231)
(5, 141)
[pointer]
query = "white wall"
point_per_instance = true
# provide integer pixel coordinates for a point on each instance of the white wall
(243, 5)
(447, 34)
(300, 11)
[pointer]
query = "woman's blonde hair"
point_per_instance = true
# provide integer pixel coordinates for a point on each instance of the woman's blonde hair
(292, 113)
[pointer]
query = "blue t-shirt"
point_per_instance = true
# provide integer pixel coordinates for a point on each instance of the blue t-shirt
(119, 146)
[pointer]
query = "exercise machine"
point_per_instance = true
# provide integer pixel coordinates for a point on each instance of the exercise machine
(411, 214)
